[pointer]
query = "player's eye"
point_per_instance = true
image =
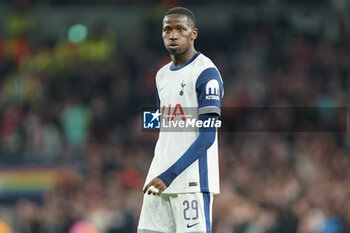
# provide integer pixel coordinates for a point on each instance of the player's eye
(167, 30)
(180, 29)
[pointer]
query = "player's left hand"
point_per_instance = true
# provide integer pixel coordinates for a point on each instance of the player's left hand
(156, 186)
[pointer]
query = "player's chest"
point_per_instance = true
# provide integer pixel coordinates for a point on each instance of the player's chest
(176, 88)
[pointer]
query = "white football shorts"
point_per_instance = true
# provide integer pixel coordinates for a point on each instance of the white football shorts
(176, 213)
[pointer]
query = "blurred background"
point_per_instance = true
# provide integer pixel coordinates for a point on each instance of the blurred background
(74, 75)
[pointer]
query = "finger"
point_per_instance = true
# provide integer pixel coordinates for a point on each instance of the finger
(149, 189)
(160, 191)
(147, 186)
(145, 189)
(153, 189)
(158, 188)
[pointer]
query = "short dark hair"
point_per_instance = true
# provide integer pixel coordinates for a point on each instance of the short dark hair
(182, 11)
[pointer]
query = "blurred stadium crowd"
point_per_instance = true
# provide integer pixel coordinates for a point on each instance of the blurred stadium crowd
(78, 105)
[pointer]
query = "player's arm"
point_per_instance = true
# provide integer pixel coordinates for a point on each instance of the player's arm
(208, 107)
(156, 182)
(205, 139)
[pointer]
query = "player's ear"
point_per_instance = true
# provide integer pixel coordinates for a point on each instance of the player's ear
(194, 33)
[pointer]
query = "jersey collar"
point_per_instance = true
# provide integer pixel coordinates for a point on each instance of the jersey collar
(172, 68)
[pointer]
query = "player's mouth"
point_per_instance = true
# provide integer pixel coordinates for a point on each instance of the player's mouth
(173, 46)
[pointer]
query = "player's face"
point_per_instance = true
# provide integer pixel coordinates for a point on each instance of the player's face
(178, 33)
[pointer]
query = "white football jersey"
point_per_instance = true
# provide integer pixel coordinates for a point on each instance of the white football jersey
(197, 85)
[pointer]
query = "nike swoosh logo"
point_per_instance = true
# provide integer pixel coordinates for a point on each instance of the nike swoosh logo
(189, 226)
(160, 89)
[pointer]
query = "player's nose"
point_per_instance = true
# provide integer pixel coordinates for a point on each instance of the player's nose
(173, 35)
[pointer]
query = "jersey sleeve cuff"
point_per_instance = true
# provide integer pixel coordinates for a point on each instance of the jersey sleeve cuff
(167, 178)
(209, 109)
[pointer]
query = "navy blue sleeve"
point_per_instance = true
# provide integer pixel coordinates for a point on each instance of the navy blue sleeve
(204, 140)
(209, 87)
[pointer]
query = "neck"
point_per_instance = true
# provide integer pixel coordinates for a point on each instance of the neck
(181, 59)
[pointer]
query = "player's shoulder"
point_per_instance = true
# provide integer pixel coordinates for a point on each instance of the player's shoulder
(202, 63)
(163, 70)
